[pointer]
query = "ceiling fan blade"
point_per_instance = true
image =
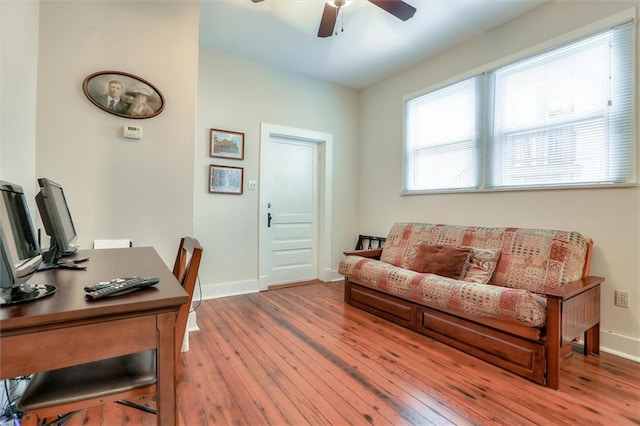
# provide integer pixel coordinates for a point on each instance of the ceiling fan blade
(397, 8)
(328, 21)
(257, 1)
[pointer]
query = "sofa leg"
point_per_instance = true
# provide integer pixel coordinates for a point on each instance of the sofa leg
(554, 324)
(347, 291)
(592, 340)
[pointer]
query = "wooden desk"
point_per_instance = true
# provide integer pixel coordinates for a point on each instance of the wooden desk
(64, 329)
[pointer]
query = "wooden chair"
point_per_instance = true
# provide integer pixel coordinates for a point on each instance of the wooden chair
(54, 396)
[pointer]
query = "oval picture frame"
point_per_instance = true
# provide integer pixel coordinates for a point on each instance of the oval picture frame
(136, 97)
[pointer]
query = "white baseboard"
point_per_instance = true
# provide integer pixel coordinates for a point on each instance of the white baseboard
(328, 275)
(192, 322)
(213, 291)
(619, 345)
(335, 276)
(192, 325)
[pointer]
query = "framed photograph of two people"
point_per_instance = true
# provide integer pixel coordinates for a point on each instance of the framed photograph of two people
(123, 94)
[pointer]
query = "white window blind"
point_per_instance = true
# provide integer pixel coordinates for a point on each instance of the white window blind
(565, 116)
(442, 130)
(560, 118)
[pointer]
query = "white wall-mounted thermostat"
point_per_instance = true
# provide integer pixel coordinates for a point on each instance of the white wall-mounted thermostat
(132, 132)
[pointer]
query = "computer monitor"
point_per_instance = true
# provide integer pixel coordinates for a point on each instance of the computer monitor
(20, 253)
(6, 268)
(58, 224)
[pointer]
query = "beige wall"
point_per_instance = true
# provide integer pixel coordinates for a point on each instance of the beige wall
(18, 71)
(610, 216)
(237, 94)
(120, 188)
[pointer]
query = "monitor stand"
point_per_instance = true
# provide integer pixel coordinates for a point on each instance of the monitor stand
(25, 293)
(62, 264)
(53, 259)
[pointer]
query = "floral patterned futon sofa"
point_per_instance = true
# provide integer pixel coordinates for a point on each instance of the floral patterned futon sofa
(512, 296)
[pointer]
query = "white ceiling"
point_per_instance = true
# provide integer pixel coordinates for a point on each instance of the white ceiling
(373, 45)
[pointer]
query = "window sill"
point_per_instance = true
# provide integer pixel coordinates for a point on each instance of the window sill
(521, 188)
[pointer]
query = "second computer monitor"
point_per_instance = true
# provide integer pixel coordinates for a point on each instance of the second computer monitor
(57, 221)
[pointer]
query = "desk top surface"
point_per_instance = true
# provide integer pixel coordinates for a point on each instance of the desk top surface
(69, 303)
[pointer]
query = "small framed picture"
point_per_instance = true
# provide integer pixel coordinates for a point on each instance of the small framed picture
(123, 94)
(226, 179)
(226, 144)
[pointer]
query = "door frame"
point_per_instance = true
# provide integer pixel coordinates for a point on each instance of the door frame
(324, 143)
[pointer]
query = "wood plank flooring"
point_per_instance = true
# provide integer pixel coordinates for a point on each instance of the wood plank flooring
(299, 356)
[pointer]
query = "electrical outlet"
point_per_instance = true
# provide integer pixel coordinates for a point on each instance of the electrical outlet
(622, 298)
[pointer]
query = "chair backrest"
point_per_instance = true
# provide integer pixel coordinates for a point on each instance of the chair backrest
(185, 270)
(368, 242)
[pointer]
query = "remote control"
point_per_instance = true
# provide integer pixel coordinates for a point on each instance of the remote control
(103, 284)
(127, 285)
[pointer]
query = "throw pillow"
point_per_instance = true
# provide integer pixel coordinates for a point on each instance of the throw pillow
(446, 261)
(482, 264)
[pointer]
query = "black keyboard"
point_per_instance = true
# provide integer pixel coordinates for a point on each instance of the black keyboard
(118, 286)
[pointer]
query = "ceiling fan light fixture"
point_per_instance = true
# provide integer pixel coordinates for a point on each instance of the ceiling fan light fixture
(338, 4)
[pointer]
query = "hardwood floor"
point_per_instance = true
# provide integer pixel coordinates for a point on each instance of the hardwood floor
(299, 355)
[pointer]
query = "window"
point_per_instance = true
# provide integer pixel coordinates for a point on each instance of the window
(563, 117)
(442, 136)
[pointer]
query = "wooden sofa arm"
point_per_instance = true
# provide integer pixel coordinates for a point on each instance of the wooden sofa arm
(574, 288)
(372, 253)
(572, 310)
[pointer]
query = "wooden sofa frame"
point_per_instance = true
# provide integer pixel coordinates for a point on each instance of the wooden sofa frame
(534, 353)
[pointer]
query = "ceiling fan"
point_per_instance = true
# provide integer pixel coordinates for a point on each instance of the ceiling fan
(397, 8)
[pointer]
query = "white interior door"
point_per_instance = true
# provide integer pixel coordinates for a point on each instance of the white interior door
(294, 207)
(292, 210)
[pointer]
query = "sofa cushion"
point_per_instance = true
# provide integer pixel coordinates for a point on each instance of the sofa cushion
(507, 304)
(482, 264)
(446, 261)
(404, 238)
(539, 258)
(530, 259)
